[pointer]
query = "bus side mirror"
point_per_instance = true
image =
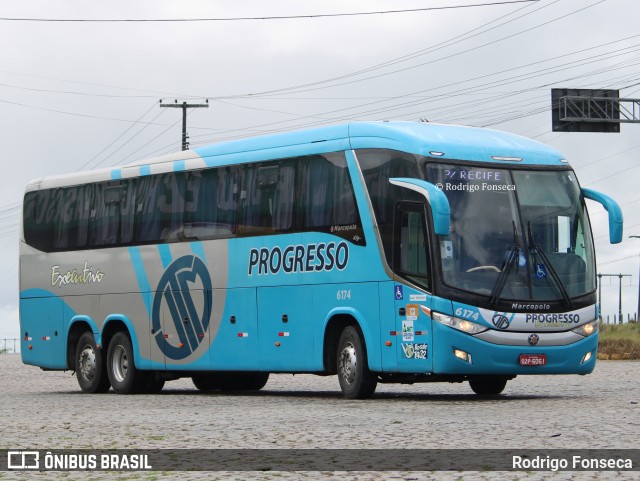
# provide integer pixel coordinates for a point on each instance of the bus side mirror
(436, 199)
(615, 213)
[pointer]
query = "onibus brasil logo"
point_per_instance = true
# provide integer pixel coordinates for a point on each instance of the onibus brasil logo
(189, 317)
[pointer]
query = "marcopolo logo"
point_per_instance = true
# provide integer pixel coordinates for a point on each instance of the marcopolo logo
(185, 291)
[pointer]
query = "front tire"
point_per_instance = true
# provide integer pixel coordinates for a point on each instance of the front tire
(356, 381)
(124, 376)
(488, 385)
(90, 367)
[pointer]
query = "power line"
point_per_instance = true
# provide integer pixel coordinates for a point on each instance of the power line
(403, 58)
(76, 114)
(93, 84)
(70, 92)
(136, 134)
(284, 89)
(116, 139)
(473, 89)
(300, 89)
(272, 17)
(450, 94)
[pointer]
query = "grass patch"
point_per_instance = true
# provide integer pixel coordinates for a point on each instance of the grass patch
(619, 341)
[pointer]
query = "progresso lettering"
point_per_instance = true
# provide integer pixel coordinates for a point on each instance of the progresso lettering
(299, 258)
(553, 318)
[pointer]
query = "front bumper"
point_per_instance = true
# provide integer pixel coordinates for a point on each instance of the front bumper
(499, 359)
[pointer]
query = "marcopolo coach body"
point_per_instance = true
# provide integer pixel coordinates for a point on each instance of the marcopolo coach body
(381, 252)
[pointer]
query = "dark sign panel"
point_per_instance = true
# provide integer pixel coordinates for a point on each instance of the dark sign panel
(585, 110)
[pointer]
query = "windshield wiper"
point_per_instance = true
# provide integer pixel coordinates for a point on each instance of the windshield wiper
(513, 254)
(539, 251)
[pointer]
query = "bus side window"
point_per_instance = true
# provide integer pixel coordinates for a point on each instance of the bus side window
(38, 230)
(160, 207)
(258, 187)
(227, 201)
(326, 195)
(171, 205)
(111, 214)
(267, 198)
(200, 208)
(410, 244)
(283, 199)
(377, 167)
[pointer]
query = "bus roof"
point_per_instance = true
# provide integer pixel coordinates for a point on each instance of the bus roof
(443, 141)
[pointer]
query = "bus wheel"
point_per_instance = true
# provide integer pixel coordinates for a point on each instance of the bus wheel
(246, 381)
(90, 367)
(206, 382)
(153, 384)
(356, 381)
(231, 381)
(123, 374)
(488, 385)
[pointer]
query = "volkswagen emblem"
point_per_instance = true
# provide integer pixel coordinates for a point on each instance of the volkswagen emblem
(533, 339)
(500, 321)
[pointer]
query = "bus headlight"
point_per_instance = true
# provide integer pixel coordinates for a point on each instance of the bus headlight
(587, 329)
(459, 324)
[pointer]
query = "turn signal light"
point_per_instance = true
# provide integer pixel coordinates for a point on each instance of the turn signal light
(462, 355)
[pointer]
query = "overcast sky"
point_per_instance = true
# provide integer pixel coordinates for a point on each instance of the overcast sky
(81, 95)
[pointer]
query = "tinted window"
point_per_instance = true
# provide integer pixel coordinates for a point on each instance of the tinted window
(267, 198)
(289, 195)
(378, 166)
(111, 213)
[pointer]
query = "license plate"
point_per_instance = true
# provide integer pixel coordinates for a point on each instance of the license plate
(533, 359)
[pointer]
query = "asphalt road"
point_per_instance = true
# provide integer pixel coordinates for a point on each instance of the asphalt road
(46, 410)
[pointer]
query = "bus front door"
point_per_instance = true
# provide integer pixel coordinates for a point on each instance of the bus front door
(412, 305)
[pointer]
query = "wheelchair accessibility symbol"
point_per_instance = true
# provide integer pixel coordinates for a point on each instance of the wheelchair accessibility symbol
(185, 290)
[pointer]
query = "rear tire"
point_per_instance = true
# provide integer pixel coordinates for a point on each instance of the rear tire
(90, 366)
(124, 376)
(356, 381)
(488, 385)
(206, 382)
(230, 381)
(153, 384)
(247, 381)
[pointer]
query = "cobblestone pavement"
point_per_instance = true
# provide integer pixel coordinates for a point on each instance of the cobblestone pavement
(46, 410)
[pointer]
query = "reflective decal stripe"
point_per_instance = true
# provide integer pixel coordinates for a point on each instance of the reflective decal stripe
(198, 249)
(165, 254)
(178, 166)
(141, 276)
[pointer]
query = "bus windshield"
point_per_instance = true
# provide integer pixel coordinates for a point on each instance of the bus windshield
(515, 234)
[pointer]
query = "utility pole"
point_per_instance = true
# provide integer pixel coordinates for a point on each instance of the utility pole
(184, 106)
(600, 297)
(619, 276)
(638, 311)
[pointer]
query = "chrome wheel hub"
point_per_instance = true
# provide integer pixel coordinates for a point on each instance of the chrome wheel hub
(87, 363)
(348, 363)
(119, 364)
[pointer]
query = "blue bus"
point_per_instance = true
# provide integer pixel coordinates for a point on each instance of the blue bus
(378, 251)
